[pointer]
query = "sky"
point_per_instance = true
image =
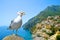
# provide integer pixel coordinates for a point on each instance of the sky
(9, 9)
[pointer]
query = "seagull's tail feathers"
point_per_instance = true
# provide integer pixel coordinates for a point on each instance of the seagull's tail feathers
(9, 28)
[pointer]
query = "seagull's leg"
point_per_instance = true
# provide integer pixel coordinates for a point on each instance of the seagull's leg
(16, 31)
(12, 32)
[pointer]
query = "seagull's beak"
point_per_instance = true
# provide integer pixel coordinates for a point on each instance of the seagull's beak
(23, 13)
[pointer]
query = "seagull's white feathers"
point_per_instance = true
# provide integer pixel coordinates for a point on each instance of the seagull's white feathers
(16, 23)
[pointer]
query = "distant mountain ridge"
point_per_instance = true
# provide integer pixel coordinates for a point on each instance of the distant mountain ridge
(49, 11)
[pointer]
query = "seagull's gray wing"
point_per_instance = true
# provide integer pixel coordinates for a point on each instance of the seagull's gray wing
(11, 23)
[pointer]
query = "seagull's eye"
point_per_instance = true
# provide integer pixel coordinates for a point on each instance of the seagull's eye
(22, 13)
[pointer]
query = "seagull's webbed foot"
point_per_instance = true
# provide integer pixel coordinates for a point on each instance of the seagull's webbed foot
(16, 32)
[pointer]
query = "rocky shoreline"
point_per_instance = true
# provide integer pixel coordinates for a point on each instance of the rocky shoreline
(13, 37)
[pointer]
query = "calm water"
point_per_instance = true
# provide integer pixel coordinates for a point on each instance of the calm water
(21, 32)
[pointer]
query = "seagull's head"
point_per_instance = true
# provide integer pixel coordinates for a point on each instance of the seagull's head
(21, 13)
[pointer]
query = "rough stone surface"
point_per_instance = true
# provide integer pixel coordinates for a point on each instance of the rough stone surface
(39, 38)
(13, 37)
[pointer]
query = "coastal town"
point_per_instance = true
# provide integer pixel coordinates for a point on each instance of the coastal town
(48, 29)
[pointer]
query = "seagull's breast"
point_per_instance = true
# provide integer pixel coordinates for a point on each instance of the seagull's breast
(17, 19)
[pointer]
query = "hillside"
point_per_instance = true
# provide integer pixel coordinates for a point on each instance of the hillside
(49, 11)
(48, 29)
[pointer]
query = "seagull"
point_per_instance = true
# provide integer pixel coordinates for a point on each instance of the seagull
(17, 22)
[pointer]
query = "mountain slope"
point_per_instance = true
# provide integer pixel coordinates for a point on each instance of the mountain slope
(49, 11)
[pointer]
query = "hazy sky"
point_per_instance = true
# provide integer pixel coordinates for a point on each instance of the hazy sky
(8, 9)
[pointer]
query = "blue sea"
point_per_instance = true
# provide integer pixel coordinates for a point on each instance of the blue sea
(21, 32)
